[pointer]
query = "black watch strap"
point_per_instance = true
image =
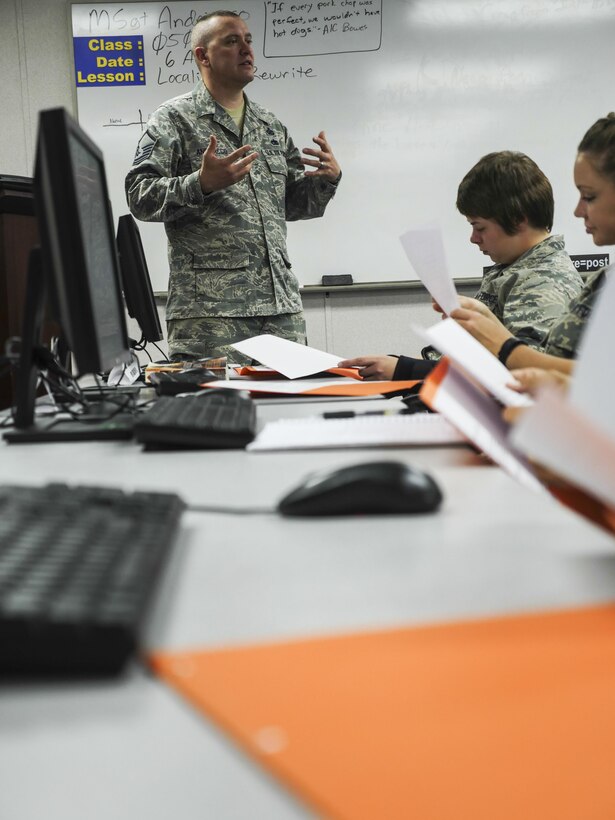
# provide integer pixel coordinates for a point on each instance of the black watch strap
(507, 348)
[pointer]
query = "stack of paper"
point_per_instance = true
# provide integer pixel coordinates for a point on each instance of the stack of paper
(469, 388)
(575, 436)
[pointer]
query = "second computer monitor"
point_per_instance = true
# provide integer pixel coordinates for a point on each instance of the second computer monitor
(136, 283)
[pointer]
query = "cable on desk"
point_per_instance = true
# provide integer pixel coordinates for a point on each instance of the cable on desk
(202, 508)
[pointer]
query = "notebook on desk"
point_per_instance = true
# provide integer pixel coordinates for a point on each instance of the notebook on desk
(507, 718)
(366, 429)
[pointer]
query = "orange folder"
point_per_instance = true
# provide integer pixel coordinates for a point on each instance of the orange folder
(262, 388)
(509, 718)
(268, 373)
(361, 388)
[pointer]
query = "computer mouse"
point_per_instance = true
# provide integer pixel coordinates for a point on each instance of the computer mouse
(181, 381)
(372, 487)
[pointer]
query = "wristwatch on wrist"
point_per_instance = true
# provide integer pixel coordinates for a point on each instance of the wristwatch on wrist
(507, 348)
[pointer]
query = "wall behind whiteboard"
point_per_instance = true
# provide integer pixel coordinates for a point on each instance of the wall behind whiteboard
(410, 97)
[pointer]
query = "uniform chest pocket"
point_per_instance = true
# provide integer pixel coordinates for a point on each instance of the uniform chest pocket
(276, 164)
(275, 180)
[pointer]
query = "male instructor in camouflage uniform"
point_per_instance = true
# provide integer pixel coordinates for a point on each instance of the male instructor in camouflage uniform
(224, 175)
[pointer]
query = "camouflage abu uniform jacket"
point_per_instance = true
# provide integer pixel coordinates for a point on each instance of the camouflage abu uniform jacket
(227, 249)
(531, 294)
(564, 337)
(562, 340)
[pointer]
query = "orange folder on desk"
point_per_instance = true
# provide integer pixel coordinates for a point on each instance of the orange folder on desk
(510, 718)
(259, 372)
(298, 387)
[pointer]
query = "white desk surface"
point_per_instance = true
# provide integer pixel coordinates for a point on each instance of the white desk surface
(132, 749)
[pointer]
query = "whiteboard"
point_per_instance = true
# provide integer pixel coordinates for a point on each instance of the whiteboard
(411, 93)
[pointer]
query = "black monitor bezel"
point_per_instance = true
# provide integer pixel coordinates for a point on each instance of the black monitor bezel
(63, 244)
(135, 278)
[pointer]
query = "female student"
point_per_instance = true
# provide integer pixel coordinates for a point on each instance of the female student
(594, 174)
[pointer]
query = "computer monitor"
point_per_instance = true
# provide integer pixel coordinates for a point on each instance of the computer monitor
(77, 265)
(136, 283)
(79, 253)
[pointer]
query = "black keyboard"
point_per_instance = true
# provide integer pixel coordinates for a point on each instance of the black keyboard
(78, 569)
(212, 419)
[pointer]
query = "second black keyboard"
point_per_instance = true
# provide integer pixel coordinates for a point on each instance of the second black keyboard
(210, 420)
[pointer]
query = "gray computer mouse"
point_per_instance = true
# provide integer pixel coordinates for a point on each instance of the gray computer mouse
(366, 488)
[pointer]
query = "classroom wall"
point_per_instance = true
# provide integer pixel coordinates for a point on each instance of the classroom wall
(36, 67)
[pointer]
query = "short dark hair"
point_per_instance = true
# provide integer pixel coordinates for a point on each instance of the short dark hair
(199, 33)
(599, 144)
(508, 187)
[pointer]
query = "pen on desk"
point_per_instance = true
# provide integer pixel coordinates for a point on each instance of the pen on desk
(349, 414)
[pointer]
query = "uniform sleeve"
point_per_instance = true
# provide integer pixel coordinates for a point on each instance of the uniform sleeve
(306, 196)
(409, 368)
(531, 303)
(565, 335)
(157, 190)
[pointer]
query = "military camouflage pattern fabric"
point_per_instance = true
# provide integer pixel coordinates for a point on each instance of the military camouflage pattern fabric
(191, 339)
(227, 249)
(565, 335)
(533, 292)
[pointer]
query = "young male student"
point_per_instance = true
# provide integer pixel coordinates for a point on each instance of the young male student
(224, 175)
(508, 202)
(594, 177)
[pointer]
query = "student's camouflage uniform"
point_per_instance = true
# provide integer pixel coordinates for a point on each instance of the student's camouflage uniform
(227, 249)
(527, 296)
(564, 337)
(533, 292)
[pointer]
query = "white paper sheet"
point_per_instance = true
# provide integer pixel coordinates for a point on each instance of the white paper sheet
(475, 360)
(291, 359)
(593, 385)
(479, 417)
(362, 430)
(425, 250)
(574, 435)
(288, 388)
(561, 438)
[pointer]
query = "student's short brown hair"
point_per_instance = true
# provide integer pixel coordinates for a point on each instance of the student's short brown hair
(599, 145)
(508, 187)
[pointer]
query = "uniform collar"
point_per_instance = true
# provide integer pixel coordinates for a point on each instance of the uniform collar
(206, 106)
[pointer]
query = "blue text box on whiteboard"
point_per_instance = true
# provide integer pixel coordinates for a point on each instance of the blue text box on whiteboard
(109, 61)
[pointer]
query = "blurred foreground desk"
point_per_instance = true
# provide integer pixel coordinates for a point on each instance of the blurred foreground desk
(133, 749)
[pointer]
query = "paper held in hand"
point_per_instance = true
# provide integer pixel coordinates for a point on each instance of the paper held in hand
(474, 360)
(425, 251)
(574, 435)
(468, 388)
